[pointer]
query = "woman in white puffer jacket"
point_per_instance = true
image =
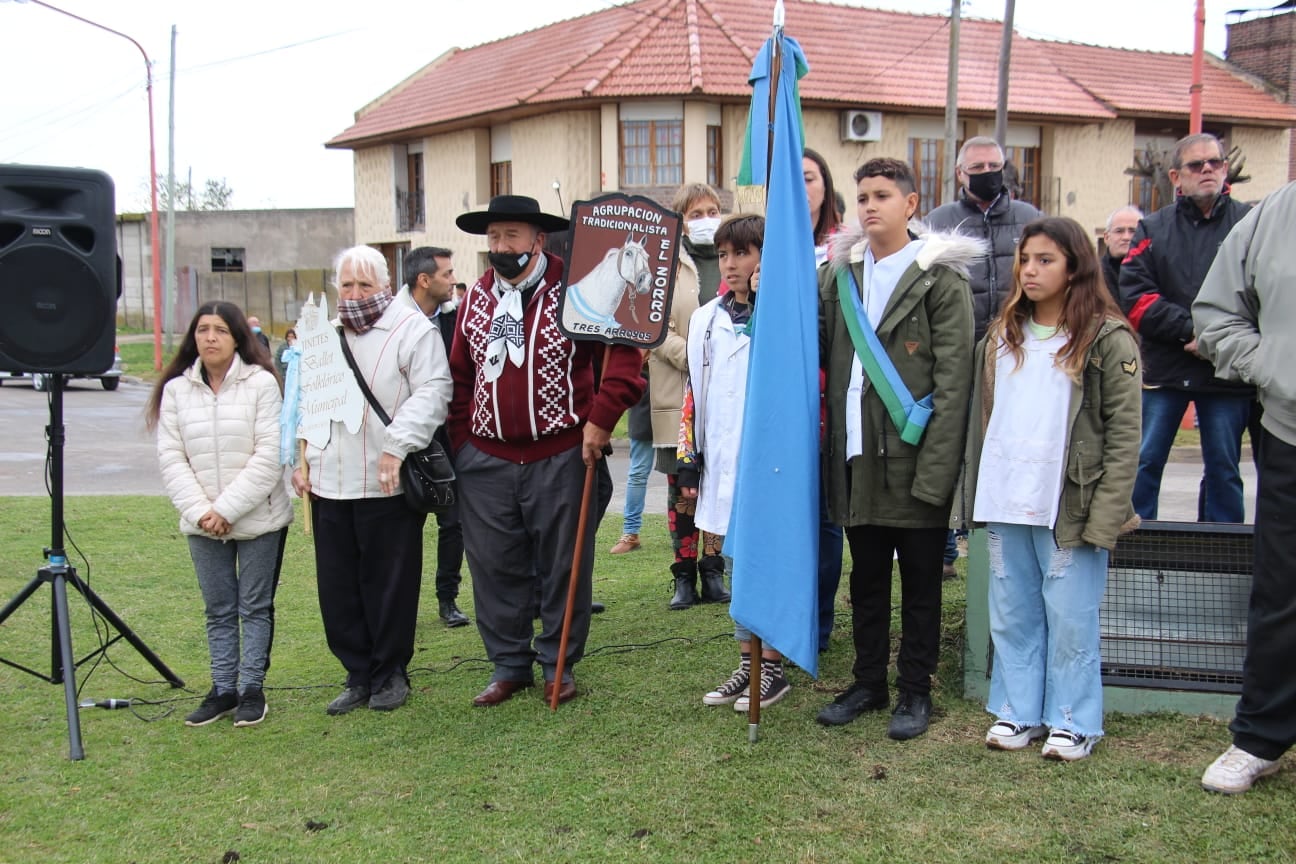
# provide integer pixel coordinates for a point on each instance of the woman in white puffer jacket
(216, 411)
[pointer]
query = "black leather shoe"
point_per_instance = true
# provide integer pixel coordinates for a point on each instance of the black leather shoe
(597, 607)
(851, 703)
(451, 615)
(711, 571)
(685, 584)
(910, 717)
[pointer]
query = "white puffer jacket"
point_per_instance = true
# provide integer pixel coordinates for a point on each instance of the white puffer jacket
(221, 450)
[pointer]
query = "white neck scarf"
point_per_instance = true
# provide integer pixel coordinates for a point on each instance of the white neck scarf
(507, 336)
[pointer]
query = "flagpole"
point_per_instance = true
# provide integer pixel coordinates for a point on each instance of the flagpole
(576, 561)
(776, 69)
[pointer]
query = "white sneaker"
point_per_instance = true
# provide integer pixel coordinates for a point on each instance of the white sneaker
(1067, 746)
(1007, 735)
(1235, 771)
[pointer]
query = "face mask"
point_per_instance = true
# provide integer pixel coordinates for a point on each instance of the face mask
(507, 264)
(702, 231)
(986, 186)
(256, 329)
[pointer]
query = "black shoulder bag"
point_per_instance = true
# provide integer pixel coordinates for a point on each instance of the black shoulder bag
(427, 476)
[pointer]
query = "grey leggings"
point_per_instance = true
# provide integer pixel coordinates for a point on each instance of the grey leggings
(238, 579)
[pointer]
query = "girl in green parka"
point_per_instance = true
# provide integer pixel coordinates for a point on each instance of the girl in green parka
(1055, 425)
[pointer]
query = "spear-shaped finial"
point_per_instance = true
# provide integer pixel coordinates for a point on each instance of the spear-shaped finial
(778, 13)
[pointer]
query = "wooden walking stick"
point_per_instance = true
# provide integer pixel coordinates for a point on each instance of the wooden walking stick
(576, 561)
(754, 692)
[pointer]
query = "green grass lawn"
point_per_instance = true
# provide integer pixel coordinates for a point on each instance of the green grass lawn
(635, 769)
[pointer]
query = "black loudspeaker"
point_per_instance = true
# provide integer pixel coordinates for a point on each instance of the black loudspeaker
(58, 270)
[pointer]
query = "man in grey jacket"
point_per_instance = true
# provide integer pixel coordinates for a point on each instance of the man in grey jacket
(1245, 307)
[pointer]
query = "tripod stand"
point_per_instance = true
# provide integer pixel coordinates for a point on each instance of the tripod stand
(59, 574)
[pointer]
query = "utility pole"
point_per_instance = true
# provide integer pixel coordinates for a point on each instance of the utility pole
(948, 187)
(1005, 54)
(168, 302)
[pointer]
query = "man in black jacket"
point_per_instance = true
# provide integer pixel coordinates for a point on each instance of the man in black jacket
(1171, 253)
(985, 209)
(1121, 225)
(430, 280)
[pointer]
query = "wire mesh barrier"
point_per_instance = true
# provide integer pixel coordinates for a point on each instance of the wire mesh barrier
(1175, 612)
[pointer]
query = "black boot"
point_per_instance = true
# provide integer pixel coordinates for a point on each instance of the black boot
(451, 615)
(711, 568)
(685, 584)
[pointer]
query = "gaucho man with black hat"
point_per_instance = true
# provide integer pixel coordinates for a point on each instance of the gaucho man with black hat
(525, 419)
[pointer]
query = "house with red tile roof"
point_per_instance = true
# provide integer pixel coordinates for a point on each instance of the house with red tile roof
(648, 95)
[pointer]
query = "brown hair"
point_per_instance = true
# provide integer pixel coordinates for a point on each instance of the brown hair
(1087, 305)
(249, 348)
(690, 193)
(742, 232)
(896, 170)
(825, 221)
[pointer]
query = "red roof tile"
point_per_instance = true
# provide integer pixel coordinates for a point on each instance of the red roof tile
(859, 57)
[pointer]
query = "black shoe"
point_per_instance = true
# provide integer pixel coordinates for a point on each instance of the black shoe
(251, 707)
(391, 695)
(350, 699)
(851, 703)
(711, 569)
(451, 615)
(596, 607)
(685, 584)
(214, 706)
(910, 717)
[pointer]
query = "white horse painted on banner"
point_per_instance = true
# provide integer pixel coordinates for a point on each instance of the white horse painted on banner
(595, 298)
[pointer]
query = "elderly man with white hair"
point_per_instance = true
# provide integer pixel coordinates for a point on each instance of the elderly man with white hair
(1121, 225)
(368, 542)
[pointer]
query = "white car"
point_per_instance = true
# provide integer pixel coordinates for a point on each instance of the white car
(41, 380)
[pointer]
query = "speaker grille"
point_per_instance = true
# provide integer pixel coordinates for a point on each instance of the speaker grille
(52, 308)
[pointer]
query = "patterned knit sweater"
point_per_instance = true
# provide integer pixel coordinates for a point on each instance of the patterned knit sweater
(535, 410)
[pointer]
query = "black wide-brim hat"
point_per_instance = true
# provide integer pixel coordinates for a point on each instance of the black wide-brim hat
(510, 208)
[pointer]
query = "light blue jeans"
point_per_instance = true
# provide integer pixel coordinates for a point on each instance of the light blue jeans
(1044, 623)
(641, 463)
(238, 580)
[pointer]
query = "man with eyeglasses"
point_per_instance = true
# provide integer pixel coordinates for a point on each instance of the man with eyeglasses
(985, 209)
(1171, 252)
(1121, 226)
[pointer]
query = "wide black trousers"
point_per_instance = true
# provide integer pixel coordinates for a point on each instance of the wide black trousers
(1265, 723)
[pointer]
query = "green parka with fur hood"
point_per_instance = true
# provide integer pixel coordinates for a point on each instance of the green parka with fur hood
(926, 330)
(1103, 432)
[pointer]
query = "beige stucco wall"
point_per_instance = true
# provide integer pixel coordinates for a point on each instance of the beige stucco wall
(1267, 152)
(375, 194)
(1082, 169)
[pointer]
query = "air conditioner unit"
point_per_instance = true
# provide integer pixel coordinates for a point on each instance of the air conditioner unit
(860, 125)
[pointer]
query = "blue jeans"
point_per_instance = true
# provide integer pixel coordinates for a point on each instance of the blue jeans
(1044, 623)
(641, 463)
(1221, 419)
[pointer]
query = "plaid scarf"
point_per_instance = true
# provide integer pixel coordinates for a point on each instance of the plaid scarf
(360, 315)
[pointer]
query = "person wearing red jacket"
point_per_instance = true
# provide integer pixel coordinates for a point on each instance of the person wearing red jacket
(526, 418)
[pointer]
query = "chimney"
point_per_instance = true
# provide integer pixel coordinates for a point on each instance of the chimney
(1266, 48)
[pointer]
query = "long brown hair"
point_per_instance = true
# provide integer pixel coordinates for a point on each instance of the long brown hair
(825, 221)
(1087, 303)
(248, 347)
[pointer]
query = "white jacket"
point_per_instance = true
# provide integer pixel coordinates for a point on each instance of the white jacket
(403, 361)
(220, 451)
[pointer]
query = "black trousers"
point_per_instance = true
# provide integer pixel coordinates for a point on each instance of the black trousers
(1265, 723)
(450, 554)
(921, 552)
(368, 565)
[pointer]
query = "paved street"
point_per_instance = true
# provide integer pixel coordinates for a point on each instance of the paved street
(109, 452)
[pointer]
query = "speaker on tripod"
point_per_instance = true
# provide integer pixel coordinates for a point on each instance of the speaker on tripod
(58, 270)
(58, 316)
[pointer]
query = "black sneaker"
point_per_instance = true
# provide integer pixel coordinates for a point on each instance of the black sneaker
(214, 706)
(251, 707)
(910, 717)
(851, 703)
(773, 687)
(348, 700)
(391, 695)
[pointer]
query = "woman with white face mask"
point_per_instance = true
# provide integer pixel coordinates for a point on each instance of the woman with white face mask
(697, 281)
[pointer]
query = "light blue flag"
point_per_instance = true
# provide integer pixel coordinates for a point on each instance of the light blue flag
(774, 527)
(290, 414)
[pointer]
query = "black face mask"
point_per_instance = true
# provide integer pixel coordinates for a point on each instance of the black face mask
(986, 186)
(508, 264)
